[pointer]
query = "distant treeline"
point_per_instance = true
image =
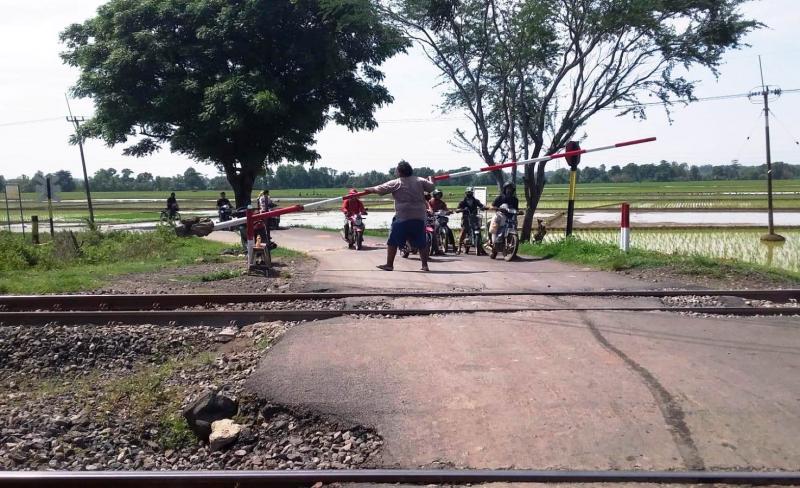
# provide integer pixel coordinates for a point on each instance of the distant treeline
(299, 176)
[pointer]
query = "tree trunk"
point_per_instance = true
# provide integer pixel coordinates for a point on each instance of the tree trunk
(242, 183)
(534, 186)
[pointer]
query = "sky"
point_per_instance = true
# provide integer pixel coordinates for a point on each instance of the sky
(34, 134)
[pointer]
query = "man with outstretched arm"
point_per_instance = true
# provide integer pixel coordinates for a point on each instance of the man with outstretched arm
(408, 192)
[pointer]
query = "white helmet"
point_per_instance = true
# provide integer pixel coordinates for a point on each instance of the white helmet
(504, 207)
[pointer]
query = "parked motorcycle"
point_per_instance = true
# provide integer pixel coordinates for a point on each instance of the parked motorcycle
(354, 231)
(442, 231)
(409, 248)
(506, 240)
(472, 232)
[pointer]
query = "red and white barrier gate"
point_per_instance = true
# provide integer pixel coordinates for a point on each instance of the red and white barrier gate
(251, 217)
(625, 228)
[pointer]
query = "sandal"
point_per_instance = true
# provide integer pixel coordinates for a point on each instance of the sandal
(385, 267)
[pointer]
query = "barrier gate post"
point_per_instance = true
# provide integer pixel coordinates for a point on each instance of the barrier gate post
(625, 228)
(573, 180)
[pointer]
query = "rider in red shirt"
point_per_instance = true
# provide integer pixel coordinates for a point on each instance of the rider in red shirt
(352, 206)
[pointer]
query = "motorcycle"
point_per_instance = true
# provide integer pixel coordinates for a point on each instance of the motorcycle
(472, 231)
(353, 232)
(225, 214)
(506, 239)
(409, 248)
(442, 231)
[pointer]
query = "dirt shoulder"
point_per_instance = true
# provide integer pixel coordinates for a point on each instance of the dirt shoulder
(290, 273)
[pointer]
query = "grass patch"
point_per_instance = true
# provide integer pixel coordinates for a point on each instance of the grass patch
(88, 259)
(283, 252)
(609, 257)
(225, 274)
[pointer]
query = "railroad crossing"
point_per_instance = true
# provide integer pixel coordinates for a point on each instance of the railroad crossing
(564, 384)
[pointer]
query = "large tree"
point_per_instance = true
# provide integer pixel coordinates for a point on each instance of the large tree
(531, 73)
(240, 84)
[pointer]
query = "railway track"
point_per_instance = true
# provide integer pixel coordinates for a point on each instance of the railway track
(171, 309)
(12, 303)
(273, 479)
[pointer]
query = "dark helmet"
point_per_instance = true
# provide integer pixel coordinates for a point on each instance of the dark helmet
(437, 193)
(509, 185)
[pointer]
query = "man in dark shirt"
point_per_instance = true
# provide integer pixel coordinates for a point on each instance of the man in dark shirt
(507, 198)
(468, 206)
(222, 200)
(172, 205)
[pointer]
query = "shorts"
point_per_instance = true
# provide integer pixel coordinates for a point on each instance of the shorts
(412, 231)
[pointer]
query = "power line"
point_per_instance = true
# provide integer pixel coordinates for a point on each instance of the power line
(34, 121)
(413, 120)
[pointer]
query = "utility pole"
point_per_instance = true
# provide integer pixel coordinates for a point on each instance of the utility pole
(765, 93)
(76, 121)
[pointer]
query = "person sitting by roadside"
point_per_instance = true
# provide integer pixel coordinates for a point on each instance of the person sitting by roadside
(172, 205)
(410, 211)
(468, 206)
(508, 198)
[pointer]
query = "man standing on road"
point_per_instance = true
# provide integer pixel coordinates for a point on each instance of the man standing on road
(408, 192)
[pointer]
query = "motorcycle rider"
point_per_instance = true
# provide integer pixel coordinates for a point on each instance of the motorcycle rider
(264, 201)
(507, 198)
(221, 202)
(436, 204)
(469, 206)
(172, 205)
(350, 207)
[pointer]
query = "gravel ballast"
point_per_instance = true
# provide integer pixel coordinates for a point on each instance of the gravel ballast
(110, 398)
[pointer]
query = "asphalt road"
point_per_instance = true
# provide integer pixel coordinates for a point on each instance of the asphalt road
(342, 269)
(567, 390)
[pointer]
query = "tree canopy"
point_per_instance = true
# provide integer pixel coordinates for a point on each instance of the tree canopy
(240, 84)
(530, 73)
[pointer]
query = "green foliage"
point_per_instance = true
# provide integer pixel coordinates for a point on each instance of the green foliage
(239, 84)
(61, 266)
(225, 274)
(608, 256)
(530, 73)
(174, 432)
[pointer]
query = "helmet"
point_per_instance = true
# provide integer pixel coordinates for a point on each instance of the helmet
(504, 207)
(509, 185)
(469, 190)
(437, 193)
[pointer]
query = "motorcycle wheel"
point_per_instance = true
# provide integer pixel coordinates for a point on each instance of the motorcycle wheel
(442, 239)
(359, 241)
(511, 246)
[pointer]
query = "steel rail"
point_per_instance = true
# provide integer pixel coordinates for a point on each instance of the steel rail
(241, 317)
(164, 302)
(275, 479)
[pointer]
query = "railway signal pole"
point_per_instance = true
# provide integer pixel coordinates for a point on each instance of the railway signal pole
(765, 92)
(76, 121)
